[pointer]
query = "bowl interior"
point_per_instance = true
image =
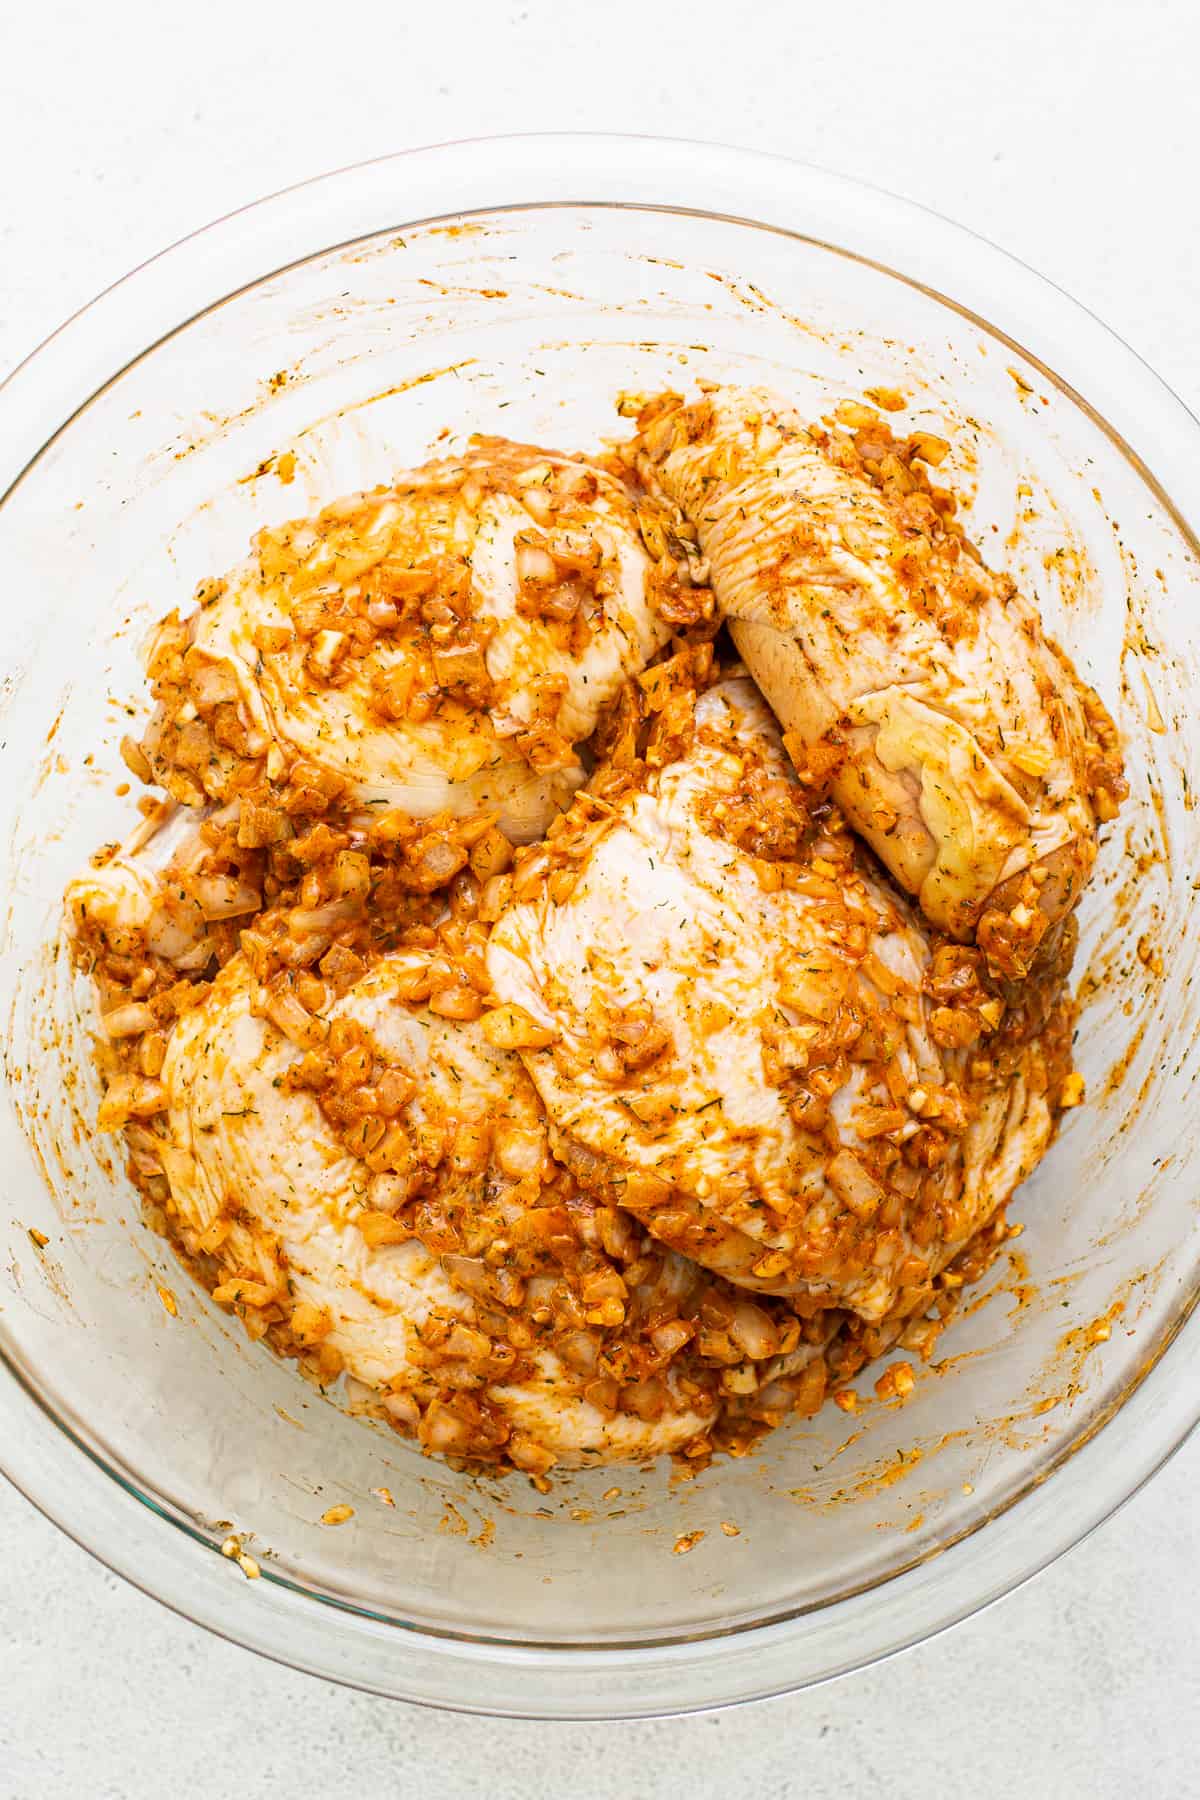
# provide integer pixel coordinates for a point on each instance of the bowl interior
(530, 321)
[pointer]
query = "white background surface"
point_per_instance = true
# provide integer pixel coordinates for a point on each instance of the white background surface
(1067, 132)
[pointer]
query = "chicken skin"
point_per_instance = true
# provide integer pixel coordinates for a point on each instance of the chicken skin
(359, 1173)
(303, 1215)
(583, 1052)
(440, 645)
(731, 1018)
(958, 739)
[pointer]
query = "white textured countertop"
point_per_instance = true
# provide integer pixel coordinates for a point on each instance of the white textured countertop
(1064, 131)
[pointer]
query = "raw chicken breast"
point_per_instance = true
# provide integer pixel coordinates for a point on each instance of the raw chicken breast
(438, 645)
(962, 744)
(735, 1029)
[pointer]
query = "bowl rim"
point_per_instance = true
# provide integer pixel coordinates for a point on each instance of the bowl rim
(154, 1547)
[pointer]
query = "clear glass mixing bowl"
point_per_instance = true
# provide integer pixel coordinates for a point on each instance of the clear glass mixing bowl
(518, 285)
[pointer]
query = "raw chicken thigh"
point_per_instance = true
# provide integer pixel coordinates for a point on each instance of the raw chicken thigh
(365, 1178)
(440, 645)
(733, 1020)
(301, 1211)
(504, 1016)
(960, 742)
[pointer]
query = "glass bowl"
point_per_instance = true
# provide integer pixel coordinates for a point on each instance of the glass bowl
(519, 285)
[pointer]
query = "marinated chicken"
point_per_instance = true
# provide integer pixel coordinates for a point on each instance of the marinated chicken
(356, 1169)
(310, 1208)
(957, 739)
(141, 901)
(731, 1021)
(501, 1025)
(441, 645)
